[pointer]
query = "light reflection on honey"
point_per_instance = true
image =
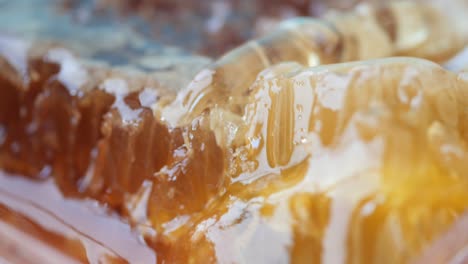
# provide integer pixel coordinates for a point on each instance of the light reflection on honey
(379, 189)
(348, 163)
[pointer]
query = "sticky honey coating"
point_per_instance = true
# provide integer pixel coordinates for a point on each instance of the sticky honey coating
(375, 171)
(357, 163)
(360, 162)
(398, 28)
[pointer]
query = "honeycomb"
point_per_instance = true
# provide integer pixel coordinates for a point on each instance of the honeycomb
(257, 160)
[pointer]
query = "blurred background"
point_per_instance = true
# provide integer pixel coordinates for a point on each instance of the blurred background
(171, 39)
(207, 27)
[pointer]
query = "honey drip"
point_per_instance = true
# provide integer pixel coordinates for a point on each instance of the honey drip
(359, 162)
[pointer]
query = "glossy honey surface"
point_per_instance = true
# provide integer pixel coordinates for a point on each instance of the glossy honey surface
(360, 162)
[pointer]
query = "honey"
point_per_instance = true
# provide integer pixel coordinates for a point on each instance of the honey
(359, 162)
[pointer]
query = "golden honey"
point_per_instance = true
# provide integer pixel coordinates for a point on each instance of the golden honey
(255, 161)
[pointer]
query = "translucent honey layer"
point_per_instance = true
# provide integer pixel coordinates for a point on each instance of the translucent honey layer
(255, 161)
(351, 163)
(372, 165)
(358, 163)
